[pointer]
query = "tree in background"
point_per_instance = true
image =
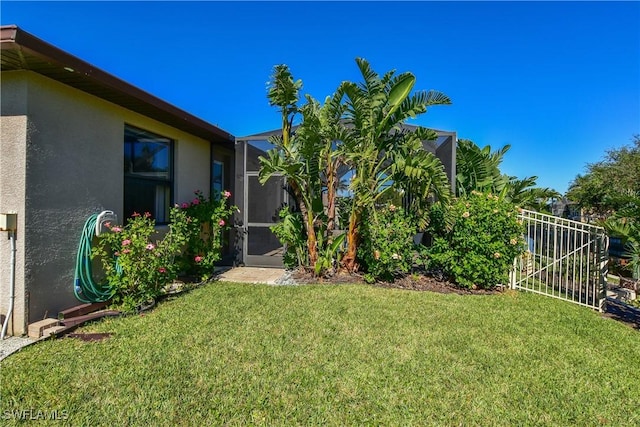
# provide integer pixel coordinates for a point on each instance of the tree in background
(610, 184)
(610, 189)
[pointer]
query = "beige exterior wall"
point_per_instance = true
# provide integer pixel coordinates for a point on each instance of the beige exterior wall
(73, 167)
(13, 136)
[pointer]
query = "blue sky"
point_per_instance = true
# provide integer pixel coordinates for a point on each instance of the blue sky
(558, 81)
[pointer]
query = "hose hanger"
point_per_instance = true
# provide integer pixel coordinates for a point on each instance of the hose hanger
(85, 288)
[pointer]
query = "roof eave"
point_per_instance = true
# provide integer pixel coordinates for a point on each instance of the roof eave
(13, 38)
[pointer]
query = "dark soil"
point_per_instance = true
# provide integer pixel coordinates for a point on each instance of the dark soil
(432, 284)
(412, 282)
(622, 312)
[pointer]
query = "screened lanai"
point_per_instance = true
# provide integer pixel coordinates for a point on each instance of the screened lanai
(259, 204)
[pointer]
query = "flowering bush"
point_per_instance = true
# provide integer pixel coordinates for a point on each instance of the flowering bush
(206, 220)
(387, 247)
(476, 240)
(144, 264)
(139, 265)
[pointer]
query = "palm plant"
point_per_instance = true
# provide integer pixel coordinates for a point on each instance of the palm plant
(478, 169)
(524, 193)
(626, 224)
(382, 155)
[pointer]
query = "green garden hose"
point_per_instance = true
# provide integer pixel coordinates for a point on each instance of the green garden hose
(86, 289)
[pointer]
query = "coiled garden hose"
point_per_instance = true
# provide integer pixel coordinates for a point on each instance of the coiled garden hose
(85, 288)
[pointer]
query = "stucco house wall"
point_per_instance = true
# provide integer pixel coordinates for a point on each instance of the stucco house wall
(62, 160)
(13, 142)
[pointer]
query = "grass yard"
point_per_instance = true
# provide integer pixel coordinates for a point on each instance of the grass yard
(337, 355)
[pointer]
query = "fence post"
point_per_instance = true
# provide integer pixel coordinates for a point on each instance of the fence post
(604, 269)
(512, 274)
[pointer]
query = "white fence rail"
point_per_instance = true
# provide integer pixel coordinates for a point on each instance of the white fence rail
(564, 259)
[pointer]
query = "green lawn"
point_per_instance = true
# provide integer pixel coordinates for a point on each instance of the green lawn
(339, 355)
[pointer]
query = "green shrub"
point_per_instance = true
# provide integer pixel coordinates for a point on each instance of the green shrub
(475, 240)
(290, 232)
(387, 248)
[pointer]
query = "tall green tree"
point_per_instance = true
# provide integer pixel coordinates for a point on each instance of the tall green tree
(610, 189)
(358, 128)
(611, 184)
(295, 157)
(309, 161)
(382, 155)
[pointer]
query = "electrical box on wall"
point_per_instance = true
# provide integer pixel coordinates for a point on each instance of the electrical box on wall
(8, 221)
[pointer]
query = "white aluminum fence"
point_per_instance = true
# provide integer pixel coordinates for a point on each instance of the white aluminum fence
(564, 259)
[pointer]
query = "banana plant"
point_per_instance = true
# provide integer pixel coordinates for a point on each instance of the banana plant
(294, 157)
(378, 151)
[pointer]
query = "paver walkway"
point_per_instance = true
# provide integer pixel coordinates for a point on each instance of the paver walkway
(252, 275)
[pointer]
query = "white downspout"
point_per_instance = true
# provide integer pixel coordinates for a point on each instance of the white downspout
(12, 291)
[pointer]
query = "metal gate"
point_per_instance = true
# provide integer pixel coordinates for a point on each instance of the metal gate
(564, 259)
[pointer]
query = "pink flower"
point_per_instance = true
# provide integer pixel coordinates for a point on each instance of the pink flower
(135, 214)
(107, 224)
(195, 201)
(198, 258)
(126, 242)
(185, 205)
(226, 194)
(116, 253)
(147, 214)
(162, 270)
(221, 223)
(150, 247)
(126, 251)
(116, 229)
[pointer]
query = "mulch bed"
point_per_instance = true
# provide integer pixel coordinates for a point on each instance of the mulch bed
(90, 337)
(411, 282)
(433, 284)
(622, 312)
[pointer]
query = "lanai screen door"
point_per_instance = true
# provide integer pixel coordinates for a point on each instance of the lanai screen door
(261, 206)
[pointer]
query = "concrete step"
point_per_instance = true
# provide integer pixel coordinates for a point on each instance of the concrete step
(623, 294)
(54, 330)
(80, 310)
(35, 329)
(78, 320)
